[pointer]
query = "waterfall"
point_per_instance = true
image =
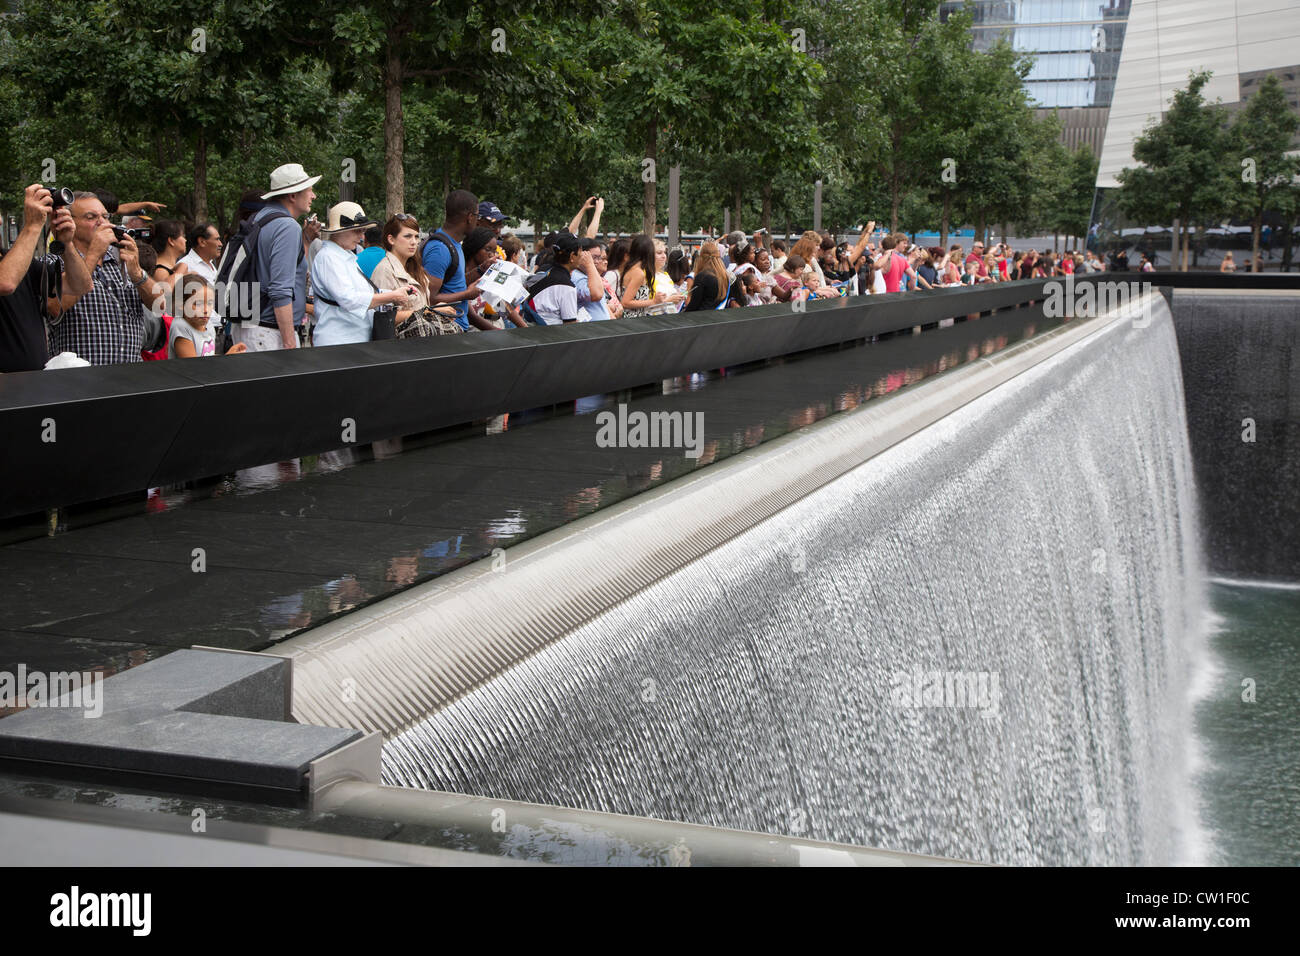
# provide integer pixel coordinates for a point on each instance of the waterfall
(975, 644)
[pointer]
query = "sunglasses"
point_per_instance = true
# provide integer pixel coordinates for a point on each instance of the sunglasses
(404, 217)
(358, 220)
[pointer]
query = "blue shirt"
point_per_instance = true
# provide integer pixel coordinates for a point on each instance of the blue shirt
(281, 266)
(367, 259)
(594, 311)
(436, 259)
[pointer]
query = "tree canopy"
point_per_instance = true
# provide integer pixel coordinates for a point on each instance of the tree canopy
(535, 105)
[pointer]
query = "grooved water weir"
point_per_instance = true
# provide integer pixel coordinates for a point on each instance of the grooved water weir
(970, 639)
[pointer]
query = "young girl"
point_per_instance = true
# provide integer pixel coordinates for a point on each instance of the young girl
(190, 335)
(789, 279)
(664, 285)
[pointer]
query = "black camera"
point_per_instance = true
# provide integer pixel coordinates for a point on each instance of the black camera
(60, 196)
(143, 235)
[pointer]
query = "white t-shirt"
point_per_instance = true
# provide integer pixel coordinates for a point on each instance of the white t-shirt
(196, 264)
(204, 340)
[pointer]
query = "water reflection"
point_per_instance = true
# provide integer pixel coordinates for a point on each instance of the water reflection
(542, 490)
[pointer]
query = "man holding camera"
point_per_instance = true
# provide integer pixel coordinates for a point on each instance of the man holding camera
(106, 326)
(30, 284)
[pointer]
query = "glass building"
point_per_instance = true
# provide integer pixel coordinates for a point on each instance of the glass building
(1076, 45)
(1111, 68)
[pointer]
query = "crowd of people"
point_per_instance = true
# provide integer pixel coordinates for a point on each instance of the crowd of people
(106, 293)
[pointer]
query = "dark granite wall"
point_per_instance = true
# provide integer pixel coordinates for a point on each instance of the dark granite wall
(1241, 360)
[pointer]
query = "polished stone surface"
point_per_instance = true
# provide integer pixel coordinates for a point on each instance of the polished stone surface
(290, 545)
(211, 418)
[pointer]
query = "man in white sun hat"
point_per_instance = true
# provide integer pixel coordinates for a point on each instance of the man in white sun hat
(281, 261)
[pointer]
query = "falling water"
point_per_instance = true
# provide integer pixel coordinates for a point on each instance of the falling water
(1037, 548)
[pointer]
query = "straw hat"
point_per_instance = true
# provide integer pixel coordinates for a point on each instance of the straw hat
(346, 216)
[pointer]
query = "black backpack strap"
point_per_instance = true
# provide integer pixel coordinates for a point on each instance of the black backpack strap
(451, 248)
(329, 301)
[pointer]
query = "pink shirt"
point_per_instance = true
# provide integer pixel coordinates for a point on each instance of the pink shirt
(895, 271)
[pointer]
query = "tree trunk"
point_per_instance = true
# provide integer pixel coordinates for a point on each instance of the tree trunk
(1254, 236)
(943, 223)
(201, 177)
(650, 199)
(462, 168)
(737, 199)
(894, 201)
(446, 181)
(767, 213)
(979, 227)
(1287, 249)
(394, 126)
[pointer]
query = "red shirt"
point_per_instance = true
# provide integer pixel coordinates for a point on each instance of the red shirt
(786, 282)
(894, 271)
(984, 270)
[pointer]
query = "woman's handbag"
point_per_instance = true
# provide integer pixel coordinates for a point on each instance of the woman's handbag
(382, 326)
(426, 322)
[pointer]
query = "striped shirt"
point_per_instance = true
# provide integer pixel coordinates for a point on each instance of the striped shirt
(106, 326)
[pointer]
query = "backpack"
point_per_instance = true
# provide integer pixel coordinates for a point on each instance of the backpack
(156, 349)
(456, 254)
(239, 291)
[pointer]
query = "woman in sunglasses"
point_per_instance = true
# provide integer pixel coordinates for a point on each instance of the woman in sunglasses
(345, 298)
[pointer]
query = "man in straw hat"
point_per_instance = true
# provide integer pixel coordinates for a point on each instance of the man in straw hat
(281, 261)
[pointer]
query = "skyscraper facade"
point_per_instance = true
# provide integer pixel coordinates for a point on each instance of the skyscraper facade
(1076, 46)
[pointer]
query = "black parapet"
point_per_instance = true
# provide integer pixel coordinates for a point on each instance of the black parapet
(78, 435)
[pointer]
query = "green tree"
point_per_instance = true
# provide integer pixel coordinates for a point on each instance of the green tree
(1184, 174)
(1009, 154)
(228, 73)
(1262, 135)
(1076, 186)
(490, 71)
(910, 47)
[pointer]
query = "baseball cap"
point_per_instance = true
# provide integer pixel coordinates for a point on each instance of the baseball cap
(566, 242)
(490, 212)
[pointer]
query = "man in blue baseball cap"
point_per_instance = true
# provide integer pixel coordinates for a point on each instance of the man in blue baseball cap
(492, 217)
